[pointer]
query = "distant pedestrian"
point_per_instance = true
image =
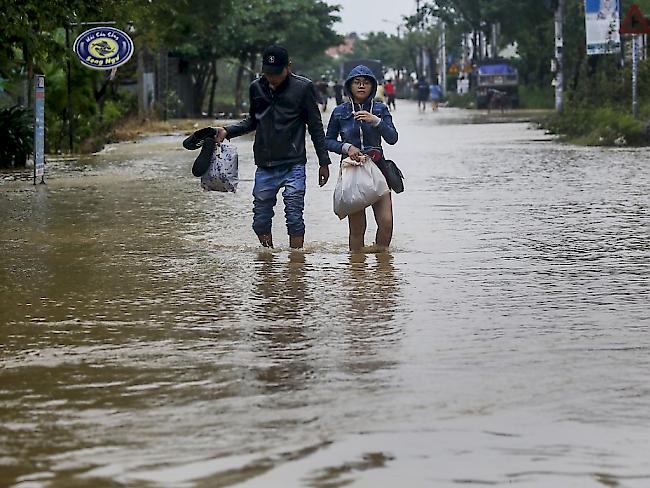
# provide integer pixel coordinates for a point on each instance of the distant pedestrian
(389, 90)
(282, 106)
(338, 92)
(422, 88)
(436, 95)
(380, 93)
(462, 85)
(323, 95)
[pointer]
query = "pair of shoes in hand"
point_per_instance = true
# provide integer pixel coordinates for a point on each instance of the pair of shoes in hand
(204, 139)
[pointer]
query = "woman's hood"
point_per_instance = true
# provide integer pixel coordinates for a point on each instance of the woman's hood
(361, 70)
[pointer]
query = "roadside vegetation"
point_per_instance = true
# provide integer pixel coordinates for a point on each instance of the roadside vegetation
(219, 42)
(598, 91)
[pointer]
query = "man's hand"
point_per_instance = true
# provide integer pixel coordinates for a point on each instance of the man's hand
(355, 153)
(323, 175)
(221, 135)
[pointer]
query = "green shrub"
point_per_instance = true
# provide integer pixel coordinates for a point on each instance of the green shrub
(535, 97)
(16, 136)
(604, 126)
(460, 101)
(173, 104)
(111, 113)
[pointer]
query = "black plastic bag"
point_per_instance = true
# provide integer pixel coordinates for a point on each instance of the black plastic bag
(393, 175)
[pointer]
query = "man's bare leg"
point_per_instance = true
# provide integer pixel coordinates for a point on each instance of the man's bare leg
(266, 240)
(296, 242)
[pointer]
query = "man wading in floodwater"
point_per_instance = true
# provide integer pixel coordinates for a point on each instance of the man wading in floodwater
(281, 105)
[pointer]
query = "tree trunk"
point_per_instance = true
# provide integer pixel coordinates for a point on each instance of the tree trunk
(213, 88)
(200, 82)
(433, 65)
(238, 86)
(100, 93)
(29, 64)
(412, 50)
(253, 66)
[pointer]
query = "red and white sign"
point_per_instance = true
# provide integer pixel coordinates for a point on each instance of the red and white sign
(635, 22)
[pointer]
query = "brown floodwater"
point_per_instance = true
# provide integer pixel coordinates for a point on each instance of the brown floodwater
(147, 340)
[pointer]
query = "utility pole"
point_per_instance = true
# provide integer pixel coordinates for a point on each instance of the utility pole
(419, 64)
(443, 64)
(68, 109)
(422, 51)
(559, 64)
(635, 69)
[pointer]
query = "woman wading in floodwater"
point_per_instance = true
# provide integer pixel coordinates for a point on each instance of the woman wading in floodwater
(361, 124)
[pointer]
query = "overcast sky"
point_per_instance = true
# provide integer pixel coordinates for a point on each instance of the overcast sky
(363, 16)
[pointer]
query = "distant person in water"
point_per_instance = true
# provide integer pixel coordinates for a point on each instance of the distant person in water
(389, 90)
(436, 95)
(422, 88)
(338, 92)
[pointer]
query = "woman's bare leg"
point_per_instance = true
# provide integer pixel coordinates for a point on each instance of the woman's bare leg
(383, 210)
(357, 225)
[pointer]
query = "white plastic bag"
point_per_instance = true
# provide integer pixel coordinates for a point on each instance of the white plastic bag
(359, 186)
(223, 173)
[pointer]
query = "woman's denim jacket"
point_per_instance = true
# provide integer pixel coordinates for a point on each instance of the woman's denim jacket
(343, 128)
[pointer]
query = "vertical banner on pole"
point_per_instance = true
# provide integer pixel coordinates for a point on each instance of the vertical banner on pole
(39, 127)
(602, 24)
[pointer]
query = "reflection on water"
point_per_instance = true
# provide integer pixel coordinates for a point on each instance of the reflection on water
(145, 340)
(282, 291)
(371, 290)
(282, 340)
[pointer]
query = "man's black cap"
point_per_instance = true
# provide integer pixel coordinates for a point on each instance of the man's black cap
(274, 60)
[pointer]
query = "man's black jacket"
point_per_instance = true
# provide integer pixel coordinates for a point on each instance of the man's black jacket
(279, 118)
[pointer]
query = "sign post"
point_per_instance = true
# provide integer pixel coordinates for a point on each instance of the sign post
(635, 74)
(558, 64)
(635, 23)
(39, 128)
(102, 47)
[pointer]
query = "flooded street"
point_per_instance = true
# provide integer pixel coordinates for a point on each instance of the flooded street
(147, 340)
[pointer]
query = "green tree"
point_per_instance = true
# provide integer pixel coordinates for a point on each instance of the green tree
(304, 26)
(394, 52)
(28, 29)
(194, 30)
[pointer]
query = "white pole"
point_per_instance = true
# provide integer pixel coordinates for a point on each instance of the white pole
(635, 68)
(443, 64)
(559, 43)
(39, 127)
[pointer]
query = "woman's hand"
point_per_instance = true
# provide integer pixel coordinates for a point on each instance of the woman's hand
(355, 153)
(367, 117)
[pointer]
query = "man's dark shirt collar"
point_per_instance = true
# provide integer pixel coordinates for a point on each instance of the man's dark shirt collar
(281, 87)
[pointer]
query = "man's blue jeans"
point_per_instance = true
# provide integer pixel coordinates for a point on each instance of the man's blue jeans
(268, 182)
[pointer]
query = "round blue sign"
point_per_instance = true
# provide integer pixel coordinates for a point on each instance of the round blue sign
(103, 48)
